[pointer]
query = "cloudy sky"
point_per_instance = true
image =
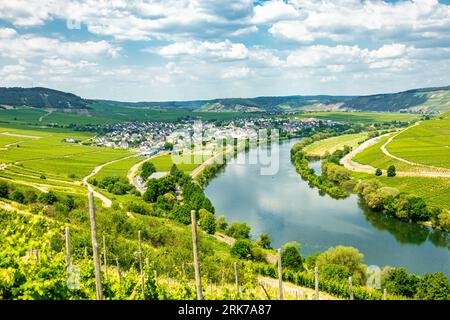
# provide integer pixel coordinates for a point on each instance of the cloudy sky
(199, 49)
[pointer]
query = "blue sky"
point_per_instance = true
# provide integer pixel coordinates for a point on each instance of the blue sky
(199, 49)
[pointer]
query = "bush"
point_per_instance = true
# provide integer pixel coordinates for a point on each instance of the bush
(242, 249)
(291, 258)
(148, 168)
(238, 230)
(30, 196)
(391, 171)
(378, 172)
(3, 190)
(348, 257)
(17, 196)
(264, 241)
(433, 286)
(221, 223)
(207, 221)
(400, 282)
(48, 198)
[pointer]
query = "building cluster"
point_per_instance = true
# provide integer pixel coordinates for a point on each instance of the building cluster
(150, 137)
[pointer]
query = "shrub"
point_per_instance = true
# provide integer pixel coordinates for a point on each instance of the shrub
(433, 286)
(400, 282)
(148, 168)
(30, 196)
(391, 171)
(239, 230)
(378, 172)
(48, 198)
(264, 241)
(17, 196)
(3, 190)
(221, 223)
(207, 221)
(291, 258)
(242, 249)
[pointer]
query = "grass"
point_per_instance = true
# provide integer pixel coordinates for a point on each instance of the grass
(434, 191)
(427, 143)
(374, 157)
(164, 163)
(48, 155)
(99, 114)
(319, 148)
(363, 117)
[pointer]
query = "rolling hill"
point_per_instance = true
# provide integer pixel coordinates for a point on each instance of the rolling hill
(425, 100)
(40, 98)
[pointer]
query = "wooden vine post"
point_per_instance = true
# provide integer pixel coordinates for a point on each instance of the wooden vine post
(105, 260)
(350, 287)
(236, 278)
(140, 265)
(98, 274)
(67, 236)
(198, 279)
(280, 274)
(316, 278)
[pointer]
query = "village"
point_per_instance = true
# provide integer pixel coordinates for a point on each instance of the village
(149, 138)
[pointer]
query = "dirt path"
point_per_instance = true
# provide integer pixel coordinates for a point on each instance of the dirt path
(49, 112)
(106, 201)
(420, 169)
(131, 175)
(347, 161)
(295, 290)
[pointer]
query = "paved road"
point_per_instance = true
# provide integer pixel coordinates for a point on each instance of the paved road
(131, 175)
(106, 201)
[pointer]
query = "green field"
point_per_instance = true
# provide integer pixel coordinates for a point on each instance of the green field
(363, 117)
(319, 148)
(107, 114)
(374, 157)
(46, 154)
(434, 191)
(164, 163)
(427, 143)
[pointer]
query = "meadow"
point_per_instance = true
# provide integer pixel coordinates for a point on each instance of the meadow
(362, 117)
(41, 153)
(427, 143)
(434, 191)
(99, 114)
(319, 148)
(374, 157)
(164, 163)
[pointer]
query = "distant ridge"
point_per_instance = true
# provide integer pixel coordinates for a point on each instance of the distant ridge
(39, 97)
(421, 100)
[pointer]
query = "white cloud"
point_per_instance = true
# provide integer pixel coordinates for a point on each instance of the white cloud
(236, 73)
(354, 20)
(29, 45)
(273, 11)
(223, 50)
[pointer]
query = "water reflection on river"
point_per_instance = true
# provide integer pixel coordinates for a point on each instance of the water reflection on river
(288, 209)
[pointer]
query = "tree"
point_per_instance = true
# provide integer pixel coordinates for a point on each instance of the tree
(400, 282)
(335, 271)
(48, 198)
(17, 196)
(239, 230)
(291, 258)
(391, 171)
(242, 249)
(378, 172)
(444, 220)
(148, 168)
(168, 146)
(3, 190)
(30, 196)
(264, 241)
(433, 286)
(345, 256)
(173, 169)
(207, 221)
(221, 223)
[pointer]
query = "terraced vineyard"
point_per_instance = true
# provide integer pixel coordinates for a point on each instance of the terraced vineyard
(319, 148)
(427, 143)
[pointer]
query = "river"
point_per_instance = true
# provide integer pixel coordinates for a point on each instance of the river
(285, 207)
